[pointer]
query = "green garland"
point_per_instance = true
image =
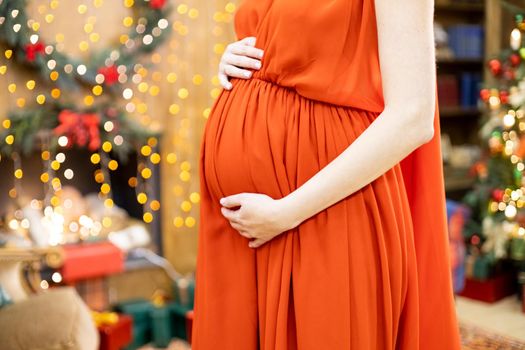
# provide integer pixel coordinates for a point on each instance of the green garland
(30, 50)
(105, 68)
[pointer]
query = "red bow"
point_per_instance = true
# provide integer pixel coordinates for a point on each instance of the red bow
(110, 74)
(80, 128)
(157, 4)
(33, 49)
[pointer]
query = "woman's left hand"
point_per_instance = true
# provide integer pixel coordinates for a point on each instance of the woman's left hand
(259, 217)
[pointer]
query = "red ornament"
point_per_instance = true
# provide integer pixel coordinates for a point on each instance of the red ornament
(497, 194)
(80, 128)
(110, 74)
(484, 94)
(157, 4)
(495, 66)
(509, 74)
(33, 49)
(504, 96)
(515, 59)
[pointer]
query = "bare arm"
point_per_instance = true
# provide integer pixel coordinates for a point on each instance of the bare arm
(407, 61)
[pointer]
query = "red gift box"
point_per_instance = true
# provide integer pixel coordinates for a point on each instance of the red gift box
(116, 336)
(189, 324)
(84, 261)
(490, 290)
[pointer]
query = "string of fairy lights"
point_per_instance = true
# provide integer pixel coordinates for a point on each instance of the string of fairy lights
(90, 83)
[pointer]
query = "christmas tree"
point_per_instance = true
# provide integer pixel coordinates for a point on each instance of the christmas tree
(495, 232)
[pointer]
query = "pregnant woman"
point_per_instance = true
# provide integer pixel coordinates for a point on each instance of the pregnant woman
(322, 216)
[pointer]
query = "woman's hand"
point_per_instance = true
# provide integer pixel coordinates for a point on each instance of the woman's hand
(259, 217)
(238, 55)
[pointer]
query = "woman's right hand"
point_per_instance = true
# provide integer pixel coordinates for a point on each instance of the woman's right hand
(238, 55)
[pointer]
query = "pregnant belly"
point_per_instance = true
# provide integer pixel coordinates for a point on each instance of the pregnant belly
(264, 138)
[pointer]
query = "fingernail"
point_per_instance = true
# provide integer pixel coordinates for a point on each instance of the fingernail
(221, 201)
(258, 65)
(247, 74)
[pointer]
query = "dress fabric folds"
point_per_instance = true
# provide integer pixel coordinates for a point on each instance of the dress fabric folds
(372, 271)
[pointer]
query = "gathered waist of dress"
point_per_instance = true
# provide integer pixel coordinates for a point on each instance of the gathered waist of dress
(258, 79)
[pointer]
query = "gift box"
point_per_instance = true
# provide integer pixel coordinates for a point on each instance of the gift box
(86, 261)
(178, 320)
(116, 336)
(490, 290)
(161, 326)
(189, 323)
(140, 312)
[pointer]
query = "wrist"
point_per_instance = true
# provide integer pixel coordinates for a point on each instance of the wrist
(292, 212)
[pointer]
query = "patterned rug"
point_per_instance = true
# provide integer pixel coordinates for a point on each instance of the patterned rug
(473, 338)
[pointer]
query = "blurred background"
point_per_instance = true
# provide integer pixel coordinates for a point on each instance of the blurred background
(102, 108)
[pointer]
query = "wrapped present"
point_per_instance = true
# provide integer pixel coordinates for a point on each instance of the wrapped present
(140, 312)
(178, 320)
(482, 267)
(491, 289)
(189, 323)
(161, 326)
(115, 335)
(86, 261)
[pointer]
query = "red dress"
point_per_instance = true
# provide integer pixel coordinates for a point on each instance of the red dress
(371, 271)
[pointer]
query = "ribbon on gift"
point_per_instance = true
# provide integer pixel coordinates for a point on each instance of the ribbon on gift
(104, 318)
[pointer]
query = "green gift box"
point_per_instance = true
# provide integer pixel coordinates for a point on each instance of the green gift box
(482, 268)
(161, 322)
(178, 320)
(140, 311)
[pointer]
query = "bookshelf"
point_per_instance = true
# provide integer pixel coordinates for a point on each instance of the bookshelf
(459, 74)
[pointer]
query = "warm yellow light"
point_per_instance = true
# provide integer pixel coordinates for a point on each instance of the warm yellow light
(154, 205)
(107, 146)
(147, 217)
(185, 206)
(146, 173)
(171, 158)
(97, 90)
(132, 181)
(113, 164)
(190, 221)
(55, 93)
(9, 139)
(195, 197)
(142, 198)
(145, 150)
(105, 188)
(19, 173)
(178, 221)
(95, 158)
(155, 158)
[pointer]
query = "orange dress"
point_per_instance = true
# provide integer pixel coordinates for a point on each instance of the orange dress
(370, 272)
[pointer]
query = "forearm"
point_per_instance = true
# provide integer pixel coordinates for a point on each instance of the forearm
(389, 139)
